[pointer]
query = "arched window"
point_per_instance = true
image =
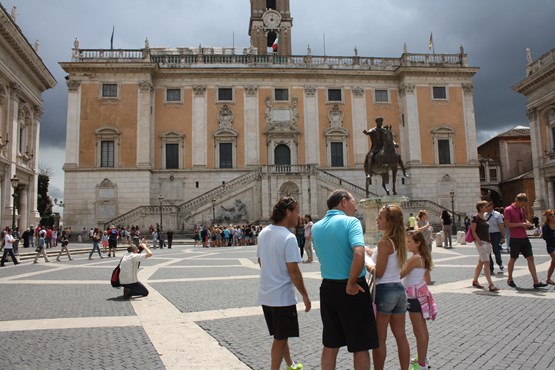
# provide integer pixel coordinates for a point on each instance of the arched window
(107, 146)
(282, 154)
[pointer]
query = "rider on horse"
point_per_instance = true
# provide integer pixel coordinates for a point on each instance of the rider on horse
(376, 134)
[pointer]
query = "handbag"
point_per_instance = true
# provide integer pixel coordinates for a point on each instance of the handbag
(114, 280)
(469, 237)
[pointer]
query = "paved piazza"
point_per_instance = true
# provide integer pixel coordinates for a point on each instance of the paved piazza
(202, 314)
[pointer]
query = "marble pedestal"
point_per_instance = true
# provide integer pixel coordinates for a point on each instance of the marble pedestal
(371, 207)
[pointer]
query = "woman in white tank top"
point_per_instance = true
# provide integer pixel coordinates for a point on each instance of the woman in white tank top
(391, 300)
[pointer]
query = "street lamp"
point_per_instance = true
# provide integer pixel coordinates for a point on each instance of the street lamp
(453, 225)
(213, 211)
(161, 199)
(15, 184)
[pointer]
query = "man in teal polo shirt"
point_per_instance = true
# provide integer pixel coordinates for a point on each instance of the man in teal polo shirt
(345, 302)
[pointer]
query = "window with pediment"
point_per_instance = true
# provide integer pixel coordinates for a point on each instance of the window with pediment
(443, 140)
(171, 148)
(107, 146)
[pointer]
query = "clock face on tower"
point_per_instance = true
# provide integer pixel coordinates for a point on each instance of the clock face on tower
(271, 19)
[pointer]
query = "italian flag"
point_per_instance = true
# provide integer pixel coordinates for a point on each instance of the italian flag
(275, 44)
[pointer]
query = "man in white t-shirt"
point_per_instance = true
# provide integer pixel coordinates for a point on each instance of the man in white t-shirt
(278, 257)
(8, 248)
(129, 267)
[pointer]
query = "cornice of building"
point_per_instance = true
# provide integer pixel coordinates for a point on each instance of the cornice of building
(23, 49)
(539, 73)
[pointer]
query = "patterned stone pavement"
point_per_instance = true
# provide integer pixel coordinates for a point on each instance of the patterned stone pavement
(202, 314)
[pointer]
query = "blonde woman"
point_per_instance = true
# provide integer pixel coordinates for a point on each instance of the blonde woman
(391, 300)
(423, 225)
(548, 234)
(480, 231)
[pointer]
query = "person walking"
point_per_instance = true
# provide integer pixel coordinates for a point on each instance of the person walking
(420, 302)
(112, 241)
(389, 258)
(548, 234)
(9, 240)
(423, 225)
(480, 232)
(95, 240)
(65, 242)
(279, 258)
(515, 219)
(308, 238)
(129, 268)
(299, 233)
(41, 247)
(496, 234)
(446, 227)
(170, 238)
(345, 302)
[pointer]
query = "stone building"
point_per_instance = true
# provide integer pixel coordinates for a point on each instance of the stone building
(539, 88)
(23, 79)
(506, 166)
(197, 133)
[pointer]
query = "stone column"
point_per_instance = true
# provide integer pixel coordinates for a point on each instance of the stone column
(311, 126)
(145, 128)
(251, 127)
(360, 123)
(31, 207)
(200, 123)
(371, 207)
(73, 123)
(470, 124)
(412, 152)
(540, 183)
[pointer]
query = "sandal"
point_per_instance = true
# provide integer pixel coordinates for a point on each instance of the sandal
(493, 288)
(476, 284)
(550, 282)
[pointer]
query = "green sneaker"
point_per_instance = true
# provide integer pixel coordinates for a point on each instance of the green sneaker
(297, 366)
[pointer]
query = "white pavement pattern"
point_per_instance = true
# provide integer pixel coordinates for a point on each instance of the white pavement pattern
(182, 343)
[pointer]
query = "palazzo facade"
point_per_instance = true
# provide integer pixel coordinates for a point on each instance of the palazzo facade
(219, 134)
(539, 88)
(23, 79)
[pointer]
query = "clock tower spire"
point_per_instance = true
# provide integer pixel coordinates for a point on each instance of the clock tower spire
(270, 26)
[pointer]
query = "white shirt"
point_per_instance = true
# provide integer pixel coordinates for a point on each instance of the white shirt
(9, 239)
(277, 246)
(494, 221)
(129, 267)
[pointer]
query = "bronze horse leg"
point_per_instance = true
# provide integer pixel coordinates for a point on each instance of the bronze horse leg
(385, 180)
(394, 179)
(403, 167)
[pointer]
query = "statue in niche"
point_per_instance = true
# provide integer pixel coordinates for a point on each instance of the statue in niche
(225, 117)
(268, 113)
(335, 116)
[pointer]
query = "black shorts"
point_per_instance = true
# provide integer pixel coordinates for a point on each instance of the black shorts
(282, 322)
(112, 243)
(520, 245)
(347, 320)
(413, 305)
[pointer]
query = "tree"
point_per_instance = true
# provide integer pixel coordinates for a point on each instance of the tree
(44, 202)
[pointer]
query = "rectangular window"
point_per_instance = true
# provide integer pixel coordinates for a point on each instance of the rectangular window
(439, 92)
(173, 95)
(281, 94)
(493, 174)
(381, 96)
(109, 90)
(271, 4)
(172, 156)
(106, 154)
(337, 154)
(226, 155)
(444, 151)
(225, 94)
(334, 95)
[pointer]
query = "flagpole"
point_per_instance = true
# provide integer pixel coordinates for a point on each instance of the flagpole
(324, 38)
(112, 38)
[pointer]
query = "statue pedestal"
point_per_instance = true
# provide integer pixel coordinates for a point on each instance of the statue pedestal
(372, 208)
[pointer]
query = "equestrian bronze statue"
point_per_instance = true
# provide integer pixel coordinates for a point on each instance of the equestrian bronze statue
(382, 156)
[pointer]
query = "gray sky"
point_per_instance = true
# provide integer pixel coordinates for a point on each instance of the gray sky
(494, 33)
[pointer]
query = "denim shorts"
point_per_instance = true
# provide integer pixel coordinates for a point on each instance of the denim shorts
(391, 298)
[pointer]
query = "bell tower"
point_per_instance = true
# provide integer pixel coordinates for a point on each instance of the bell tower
(270, 26)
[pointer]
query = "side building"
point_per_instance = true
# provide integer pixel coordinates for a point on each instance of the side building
(218, 134)
(23, 79)
(539, 88)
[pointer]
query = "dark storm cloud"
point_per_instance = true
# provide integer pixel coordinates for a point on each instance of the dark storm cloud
(494, 33)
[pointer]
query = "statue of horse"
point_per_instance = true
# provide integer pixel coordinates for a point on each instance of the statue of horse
(387, 159)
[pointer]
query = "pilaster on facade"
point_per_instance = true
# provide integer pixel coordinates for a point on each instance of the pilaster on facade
(252, 127)
(200, 123)
(73, 126)
(409, 103)
(145, 114)
(470, 124)
(360, 123)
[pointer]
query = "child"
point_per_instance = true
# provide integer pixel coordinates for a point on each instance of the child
(421, 305)
(105, 241)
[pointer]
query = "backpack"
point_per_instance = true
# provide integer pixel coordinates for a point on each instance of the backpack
(114, 280)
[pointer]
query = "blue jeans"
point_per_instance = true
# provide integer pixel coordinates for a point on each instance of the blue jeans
(97, 248)
(495, 240)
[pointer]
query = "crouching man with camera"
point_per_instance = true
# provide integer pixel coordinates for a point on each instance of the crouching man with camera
(129, 267)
